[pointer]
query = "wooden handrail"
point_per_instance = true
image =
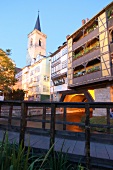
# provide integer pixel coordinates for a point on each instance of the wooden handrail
(24, 107)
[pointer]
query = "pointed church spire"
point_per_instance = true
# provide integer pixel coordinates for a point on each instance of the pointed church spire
(37, 25)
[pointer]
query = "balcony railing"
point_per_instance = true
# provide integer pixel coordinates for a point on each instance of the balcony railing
(93, 54)
(110, 22)
(57, 75)
(87, 78)
(88, 37)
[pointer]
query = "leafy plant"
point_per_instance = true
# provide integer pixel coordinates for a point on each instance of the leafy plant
(75, 56)
(13, 156)
(17, 157)
(93, 69)
(7, 71)
(110, 13)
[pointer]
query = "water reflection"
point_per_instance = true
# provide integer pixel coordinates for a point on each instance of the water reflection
(70, 117)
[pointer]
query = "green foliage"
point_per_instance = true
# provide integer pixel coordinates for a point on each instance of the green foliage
(17, 157)
(7, 71)
(12, 156)
(75, 56)
(90, 29)
(15, 95)
(85, 51)
(93, 69)
(102, 120)
(110, 13)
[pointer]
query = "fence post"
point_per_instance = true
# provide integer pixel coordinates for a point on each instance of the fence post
(52, 126)
(10, 114)
(87, 136)
(44, 117)
(108, 120)
(0, 110)
(64, 118)
(23, 123)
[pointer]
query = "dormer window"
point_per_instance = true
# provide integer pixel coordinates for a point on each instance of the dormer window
(40, 42)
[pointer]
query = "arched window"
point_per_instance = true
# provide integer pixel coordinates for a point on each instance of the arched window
(111, 36)
(31, 42)
(40, 42)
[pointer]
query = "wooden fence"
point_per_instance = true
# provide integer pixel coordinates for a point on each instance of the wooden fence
(23, 118)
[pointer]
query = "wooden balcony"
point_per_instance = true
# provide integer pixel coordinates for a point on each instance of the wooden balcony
(110, 22)
(87, 78)
(88, 37)
(91, 55)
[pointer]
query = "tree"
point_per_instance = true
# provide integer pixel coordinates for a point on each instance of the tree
(15, 95)
(7, 71)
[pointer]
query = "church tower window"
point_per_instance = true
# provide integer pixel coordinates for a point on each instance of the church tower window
(40, 43)
(31, 42)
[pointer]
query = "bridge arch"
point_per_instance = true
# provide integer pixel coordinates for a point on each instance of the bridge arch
(75, 98)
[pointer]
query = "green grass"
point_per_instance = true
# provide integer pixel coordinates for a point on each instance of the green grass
(102, 120)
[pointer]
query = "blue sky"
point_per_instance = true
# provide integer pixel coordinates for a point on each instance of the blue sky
(58, 18)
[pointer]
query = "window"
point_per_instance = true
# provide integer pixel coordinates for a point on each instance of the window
(59, 81)
(40, 43)
(36, 89)
(31, 42)
(45, 89)
(64, 64)
(52, 59)
(46, 78)
(51, 83)
(37, 69)
(31, 80)
(64, 51)
(31, 73)
(52, 70)
(38, 78)
(111, 36)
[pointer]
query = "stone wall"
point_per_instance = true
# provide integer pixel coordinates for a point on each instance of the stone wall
(102, 95)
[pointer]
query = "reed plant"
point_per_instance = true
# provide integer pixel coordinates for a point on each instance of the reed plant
(13, 156)
(17, 157)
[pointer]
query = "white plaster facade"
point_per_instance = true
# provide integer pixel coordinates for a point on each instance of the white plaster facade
(58, 72)
(35, 77)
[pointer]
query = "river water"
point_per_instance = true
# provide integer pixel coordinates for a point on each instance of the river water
(70, 117)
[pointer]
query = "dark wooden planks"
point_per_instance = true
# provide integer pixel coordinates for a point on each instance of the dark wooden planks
(101, 151)
(43, 143)
(32, 139)
(93, 150)
(109, 149)
(79, 148)
(64, 145)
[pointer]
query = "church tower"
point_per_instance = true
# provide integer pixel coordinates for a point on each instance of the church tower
(36, 43)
